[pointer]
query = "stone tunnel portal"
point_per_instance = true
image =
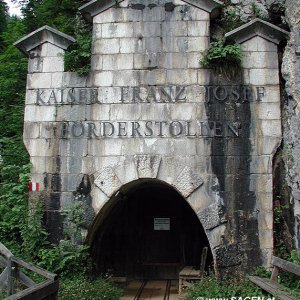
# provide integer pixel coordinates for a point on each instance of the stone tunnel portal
(147, 230)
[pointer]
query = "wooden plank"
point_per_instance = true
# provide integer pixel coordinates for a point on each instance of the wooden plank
(10, 279)
(203, 260)
(271, 287)
(4, 251)
(27, 281)
(3, 278)
(274, 274)
(3, 262)
(286, 265)
(35, 269)
(39, 291)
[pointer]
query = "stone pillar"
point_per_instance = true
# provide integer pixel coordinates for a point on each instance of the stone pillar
(259, 41)
(45, 48)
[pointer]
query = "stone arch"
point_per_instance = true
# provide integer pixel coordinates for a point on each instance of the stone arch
(211, 218)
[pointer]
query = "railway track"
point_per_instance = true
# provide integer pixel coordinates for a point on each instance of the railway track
(151, 289)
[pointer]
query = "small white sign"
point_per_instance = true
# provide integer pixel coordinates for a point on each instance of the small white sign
(161, 223)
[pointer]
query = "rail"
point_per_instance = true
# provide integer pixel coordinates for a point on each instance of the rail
(12, 279)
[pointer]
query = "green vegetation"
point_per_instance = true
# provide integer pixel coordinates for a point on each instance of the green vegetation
(210, 287)
(80, 288)
(222, 58)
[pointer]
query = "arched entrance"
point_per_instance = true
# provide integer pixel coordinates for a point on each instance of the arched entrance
(147, 230)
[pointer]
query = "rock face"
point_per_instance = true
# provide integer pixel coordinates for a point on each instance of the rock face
(149, 110)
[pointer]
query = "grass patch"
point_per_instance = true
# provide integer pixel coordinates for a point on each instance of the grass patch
(84, 289)
(210, 287)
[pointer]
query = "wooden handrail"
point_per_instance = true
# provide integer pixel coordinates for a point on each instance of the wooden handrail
(4, 251)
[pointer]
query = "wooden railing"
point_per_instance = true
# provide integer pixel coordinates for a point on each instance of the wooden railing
(12, 278)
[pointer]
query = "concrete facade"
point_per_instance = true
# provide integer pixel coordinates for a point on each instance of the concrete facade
(149, 110)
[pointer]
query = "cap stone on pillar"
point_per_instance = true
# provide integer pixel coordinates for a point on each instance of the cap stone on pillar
(95, 7)
(257, 27)
(45, 48)
(43, 35)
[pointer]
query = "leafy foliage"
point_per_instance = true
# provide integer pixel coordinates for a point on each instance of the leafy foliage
(222, 58)
(80, 288)
(210, 287)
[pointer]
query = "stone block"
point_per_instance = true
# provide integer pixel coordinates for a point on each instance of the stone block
(193, 13)
(147, 29)
(187, 182)
(154, 14)
(187, 111)
(125, 112)
(49, 49)
(31, 130)
(126, 170)
(108, 182)
(227, 256)
(56, 80)
(71, 112)
(212, 216)
(109, 16)
(109, 94)
(194, 59)
(261, 183)
(265, 145)
(97, 62)
(97, 32)
(118, 62)
(100, 112)
(147, 165)
(104, 78)
(258, 44)
(41, 147)
(203, 76)
(268, 128)
(197, 44)
(38, 164)
(173, 61)
(99, 199)
(184, 146)
(263, 76)
(35, 113)
(175, 44)
(126, 78)
(88, 165)
(70, 182)
(53, 64)
(195, 93)
(198, 28)
(147, 61)
(117, 30)
(261, 164)
(132, 15)
(266, 238)
(72, 79)
(106, 46)
(38, 80)
(149, 45)
(258, 60)
(266, 111)
(181, 77)
(66, 200)
(128, 45)
(174, 28)
(50, 130)
(265, 220)
(152, 77)
(265, 201)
